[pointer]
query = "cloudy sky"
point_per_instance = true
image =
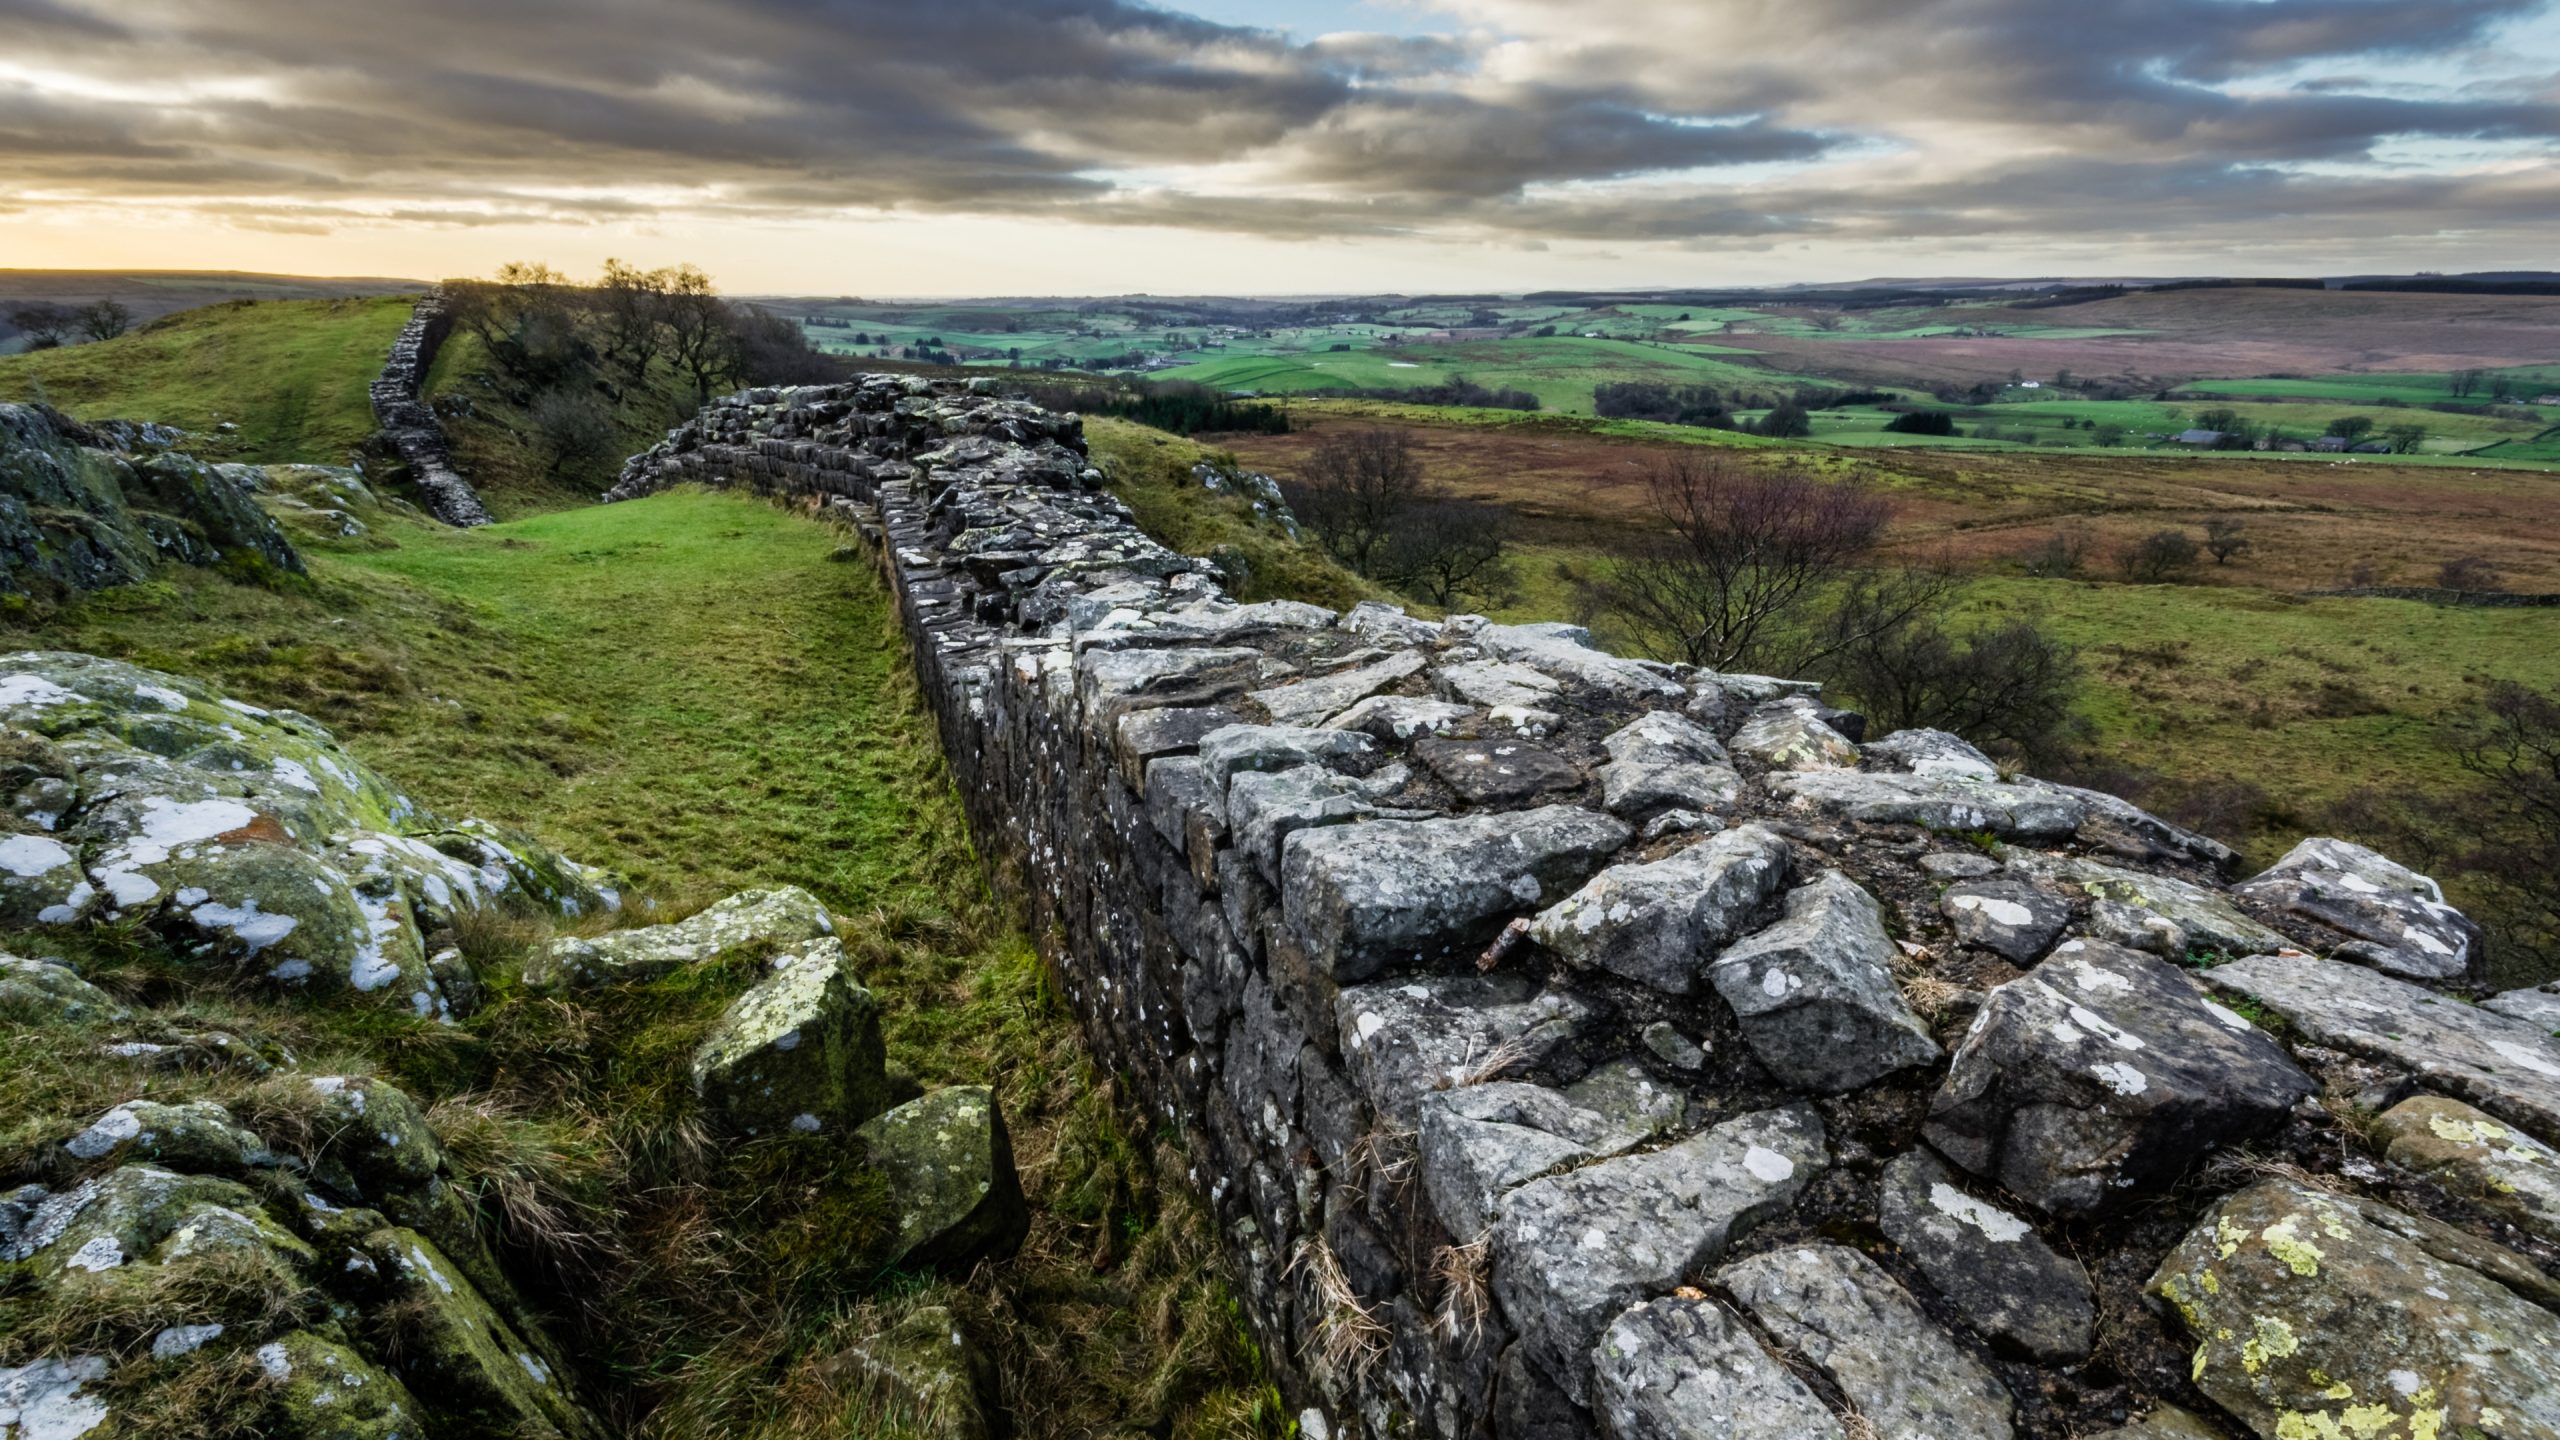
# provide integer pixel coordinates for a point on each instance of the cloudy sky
(1091, 146)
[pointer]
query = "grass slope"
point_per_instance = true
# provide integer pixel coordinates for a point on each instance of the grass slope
(695, 690)
(293, 375)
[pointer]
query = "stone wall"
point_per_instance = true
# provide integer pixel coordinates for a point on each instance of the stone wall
(410, 424)
(1572, 1044)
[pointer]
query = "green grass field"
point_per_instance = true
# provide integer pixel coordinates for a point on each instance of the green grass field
(695, 690)
(293, 375)
(2408, 389)
(1560, 370)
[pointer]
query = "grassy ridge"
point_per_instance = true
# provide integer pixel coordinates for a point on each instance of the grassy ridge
(694, 690)
(293, 375)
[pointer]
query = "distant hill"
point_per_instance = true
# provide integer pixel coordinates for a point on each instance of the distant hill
(150, 294)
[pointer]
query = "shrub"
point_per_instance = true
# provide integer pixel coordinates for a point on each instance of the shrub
(2158, 556)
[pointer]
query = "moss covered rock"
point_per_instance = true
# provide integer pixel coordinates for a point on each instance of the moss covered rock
(36, 992)
(453, 1346)
(2486, 1161)
(949, 1164)
(752, 920)
(801, 1051)
(326, 1391)
(78, 513)
(246, 837)
(2318, 1315)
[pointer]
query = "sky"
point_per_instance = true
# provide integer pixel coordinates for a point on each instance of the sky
(973, 147)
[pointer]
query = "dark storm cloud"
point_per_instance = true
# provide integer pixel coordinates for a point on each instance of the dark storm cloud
(1544, 120)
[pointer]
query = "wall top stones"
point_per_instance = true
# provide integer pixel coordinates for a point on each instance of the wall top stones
(1505, 989)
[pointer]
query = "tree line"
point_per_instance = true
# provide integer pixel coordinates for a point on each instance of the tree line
(584, 363)
(48, 326)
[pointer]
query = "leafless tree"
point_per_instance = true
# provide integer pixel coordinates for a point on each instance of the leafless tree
(2469, 572)
(1353, 489)
(1445, 547)
(630, 308)
(2226, 538)
(105, 319)
(2058, 556)
(1739, 556)
(572, 429)
(45, 324)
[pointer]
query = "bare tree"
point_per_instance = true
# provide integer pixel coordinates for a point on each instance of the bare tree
(104, 320)
(1445, 547)
(2465, 383)
(2160, 555)
(1352, 490)
(1740, 555)
(630, 309)
(701, 338)
(2058, 556)
(573, 429)
(45, 325)
(2469, 572)
(2226, 538)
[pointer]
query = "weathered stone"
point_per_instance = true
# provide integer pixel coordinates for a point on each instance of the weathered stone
(1959, 864)
(1566, 651)
(47, 1400)
(1480, 1142)
(2010, 1286)
(799, 1052)
(1660, 923)
(2208, 920)
(1673, 1048)
(1815, 992)
(926, 1370)
(2395, 919)
(1494, 685)
(2102, 1075)
(1628, 1095)
(2124, 829)
(1956, 803)
(1397, 718)
(2167, 1422)
(1402, 1040)
(1789, 734)
(1145, 736)
(2538, 1006)
(1314, 701)
(322, 1390)
(2506, 1066)
(2013, 919)
(1379, 621)
(79, 516)
(1930, 752)
(951, 1178)
(197, 1136)
(2494, 1166)
(1265, 808)
(1853, 1322)
(1497, 772)
(751, 920)
(480, 1370)
(1664, 760)
(2317, 1314)
(1688, 1370)
(34, 992)
(1110, 683)
(1236, 749)
(1363, 897)
(1572, 1251)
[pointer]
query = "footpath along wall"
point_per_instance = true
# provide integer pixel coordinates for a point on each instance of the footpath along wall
(1572, 1044)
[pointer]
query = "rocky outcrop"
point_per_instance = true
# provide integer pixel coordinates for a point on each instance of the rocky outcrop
(410, 425)
(87, 507)
(1531, 1099)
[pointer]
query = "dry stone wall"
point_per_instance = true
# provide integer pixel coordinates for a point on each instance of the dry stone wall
(409, 422)
(1571, 1044)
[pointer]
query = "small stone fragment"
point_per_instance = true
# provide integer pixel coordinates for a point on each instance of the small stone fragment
(1815, 992)
(2013, 919)
(1662, 922)
(1688, 1370)
(799, 1052)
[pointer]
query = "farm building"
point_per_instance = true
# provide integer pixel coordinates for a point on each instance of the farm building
(2205, 438)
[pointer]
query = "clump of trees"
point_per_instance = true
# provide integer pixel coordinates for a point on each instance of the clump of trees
(1184, 407)
(588, 365)
(49, 326)
(1365, 496)
(2162, 555)
(1456, 390)
(1922, 422)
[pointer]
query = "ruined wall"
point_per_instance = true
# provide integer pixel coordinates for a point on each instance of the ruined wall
(1571, 1044)
(410, 424)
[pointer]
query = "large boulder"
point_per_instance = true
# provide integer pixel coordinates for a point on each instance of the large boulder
(78, 511)
(2392, 918)
(1860, 1328)
(2197, 919)
(801, 1051)
(2009, 1285)
(1573, 1250)
(2506, 1066)
(1790, 734)
(949, 1164)
(2316, 1314)
(2100, 1076)
(1390, 892)
(1689, 1369)
(1660, 923)
(1815, 992)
